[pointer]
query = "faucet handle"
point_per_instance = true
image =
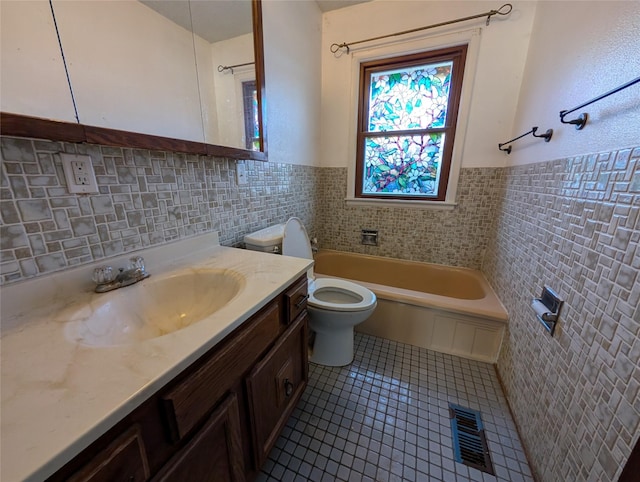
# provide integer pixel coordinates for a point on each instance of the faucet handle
(103, 274)
(137, 262)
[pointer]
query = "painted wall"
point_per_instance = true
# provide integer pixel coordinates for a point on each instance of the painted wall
(292, 35)
(578, 51)
(500, 67)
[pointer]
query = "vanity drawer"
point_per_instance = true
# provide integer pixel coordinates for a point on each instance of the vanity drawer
(189, 401)
(295, 300)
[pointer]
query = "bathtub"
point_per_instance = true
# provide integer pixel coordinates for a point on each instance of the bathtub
(442, 308)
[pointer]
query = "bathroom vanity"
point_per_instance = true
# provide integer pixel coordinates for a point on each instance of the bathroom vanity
(205, 402)
(219, 418)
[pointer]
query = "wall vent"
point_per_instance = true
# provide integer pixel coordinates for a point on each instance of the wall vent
(469, 441)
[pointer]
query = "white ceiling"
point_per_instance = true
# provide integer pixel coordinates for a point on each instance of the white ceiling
(327, 5)
(216, 20)
(213, 20)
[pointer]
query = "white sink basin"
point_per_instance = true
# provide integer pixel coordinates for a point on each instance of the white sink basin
(153, 307)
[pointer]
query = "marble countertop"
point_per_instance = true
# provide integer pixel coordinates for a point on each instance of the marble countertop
(59, 396)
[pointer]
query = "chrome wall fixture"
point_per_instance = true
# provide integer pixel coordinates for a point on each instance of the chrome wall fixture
(582, 119)
(369, 237)
(546, 136)
(547, 308)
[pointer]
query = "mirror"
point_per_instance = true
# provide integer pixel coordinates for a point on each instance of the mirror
(224, 58)
(155, 67)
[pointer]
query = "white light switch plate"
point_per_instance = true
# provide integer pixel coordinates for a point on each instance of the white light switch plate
(78, 170)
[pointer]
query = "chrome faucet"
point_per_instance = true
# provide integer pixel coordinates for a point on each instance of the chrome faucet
(107, 280)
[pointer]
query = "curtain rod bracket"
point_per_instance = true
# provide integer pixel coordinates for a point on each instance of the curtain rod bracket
(582, 119)
(579, 121)
(546, 136)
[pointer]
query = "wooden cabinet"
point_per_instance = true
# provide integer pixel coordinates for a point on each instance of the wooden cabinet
(275, 385)
(189, 400)
(122, 459)
(215, 452)
(218, 420)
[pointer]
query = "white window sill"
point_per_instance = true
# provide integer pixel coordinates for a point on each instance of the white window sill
(440, 205)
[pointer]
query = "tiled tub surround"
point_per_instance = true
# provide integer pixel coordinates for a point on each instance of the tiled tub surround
(59, 396)
(146, 198)
(572, 224)
(456, 237)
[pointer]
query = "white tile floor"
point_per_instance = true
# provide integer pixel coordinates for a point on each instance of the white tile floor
(385, 418)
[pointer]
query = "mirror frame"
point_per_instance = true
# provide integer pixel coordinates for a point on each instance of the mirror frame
(17, 125)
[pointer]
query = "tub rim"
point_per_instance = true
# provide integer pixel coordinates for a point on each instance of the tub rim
(489, 306)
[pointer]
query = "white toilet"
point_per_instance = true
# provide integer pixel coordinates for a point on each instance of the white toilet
(335, 305)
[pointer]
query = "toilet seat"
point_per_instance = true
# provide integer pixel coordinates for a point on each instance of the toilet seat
(339, 295)
(343, 287)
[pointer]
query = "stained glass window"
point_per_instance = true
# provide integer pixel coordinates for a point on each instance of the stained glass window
(408, 111)
(403, 164)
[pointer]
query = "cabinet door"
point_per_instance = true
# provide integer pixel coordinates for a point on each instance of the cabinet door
(215, 452)
(275, 385)
(123, 460)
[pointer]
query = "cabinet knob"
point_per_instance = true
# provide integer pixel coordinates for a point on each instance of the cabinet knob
(288, 387)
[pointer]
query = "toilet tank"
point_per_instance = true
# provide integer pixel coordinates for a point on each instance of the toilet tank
(268, 239)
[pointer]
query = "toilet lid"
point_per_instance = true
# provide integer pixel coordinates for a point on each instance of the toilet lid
(295, 241)
(336, 294)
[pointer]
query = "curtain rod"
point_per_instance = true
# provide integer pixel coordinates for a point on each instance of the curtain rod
(336, 47)
(546, 136)
(222, 68)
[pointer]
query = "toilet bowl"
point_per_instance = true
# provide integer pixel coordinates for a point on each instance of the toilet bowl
(335, 305)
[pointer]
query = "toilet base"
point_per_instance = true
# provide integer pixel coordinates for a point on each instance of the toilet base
(333, 349)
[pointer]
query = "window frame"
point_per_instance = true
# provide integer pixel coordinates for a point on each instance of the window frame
(458, 55)
(249, 91)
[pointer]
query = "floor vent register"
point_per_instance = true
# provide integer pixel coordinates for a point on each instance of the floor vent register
(469, 441)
